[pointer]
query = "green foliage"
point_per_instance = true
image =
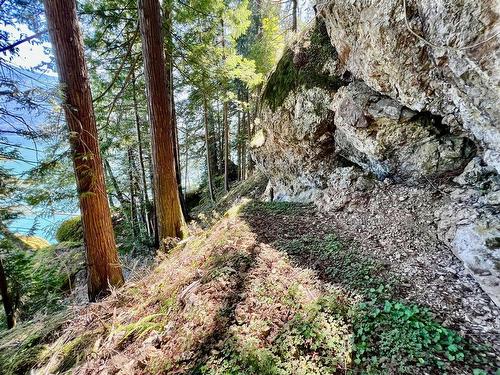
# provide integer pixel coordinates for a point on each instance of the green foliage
(340, 262)
(142, 326)
(393, 335)
(269, 45)
(70, 230)
(39, 279)
(388, 335)
(316, 341)
(23, 347)
(74, 351)
(290, 75)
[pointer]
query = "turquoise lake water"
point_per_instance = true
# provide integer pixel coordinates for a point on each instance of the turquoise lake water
(30, 223)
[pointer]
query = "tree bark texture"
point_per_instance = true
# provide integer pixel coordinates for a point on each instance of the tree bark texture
(102, 259)
(167, 201)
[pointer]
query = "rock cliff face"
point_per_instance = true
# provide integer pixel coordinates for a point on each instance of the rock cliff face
(389, 92)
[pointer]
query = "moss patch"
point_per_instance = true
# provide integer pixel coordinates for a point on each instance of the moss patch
(75, 351)
(304, 68)
(24, 346)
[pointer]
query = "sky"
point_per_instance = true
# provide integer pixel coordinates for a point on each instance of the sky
(30, 55)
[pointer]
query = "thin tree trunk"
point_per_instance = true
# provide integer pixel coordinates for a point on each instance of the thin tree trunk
(168, 208)
(225, 122)
(6, 300)
(244, 146)
(178, 159)
(213, 137)
(294, 15)
(133, 207)
(250, 133)
(145, 206)
(152, 212)
(220, 141)
(207, 146)
(170, 67)
(104, 269)
(238, 145)
(226, 147)
(119, 194)
(186, 156)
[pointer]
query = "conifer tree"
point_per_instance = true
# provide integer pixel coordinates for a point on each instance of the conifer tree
(168, 207)
(104, 270)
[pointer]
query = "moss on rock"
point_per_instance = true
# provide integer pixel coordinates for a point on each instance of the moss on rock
(302, 68)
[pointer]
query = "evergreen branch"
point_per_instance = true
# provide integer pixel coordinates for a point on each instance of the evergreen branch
(120, 68)
(21, 41)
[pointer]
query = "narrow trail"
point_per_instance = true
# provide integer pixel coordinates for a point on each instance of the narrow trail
(284, 288)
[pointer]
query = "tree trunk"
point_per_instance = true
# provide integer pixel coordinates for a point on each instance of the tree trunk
(244, 146)
(226, 146)
(168, 208)
(294, 15)
(250, 133)
(238, 145)
(225, 122)
(220, 141)
(177, 156)
(207, 146)
(186, 157)
(170, 68)
(133, 206)
(119, 194)
(152, 212)
(6, 300)
(102, 258)
(145, 206)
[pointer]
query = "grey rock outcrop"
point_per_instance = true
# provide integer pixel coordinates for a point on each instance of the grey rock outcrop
(374, 93)
(470, 224)
(384, 137)
(453, 70)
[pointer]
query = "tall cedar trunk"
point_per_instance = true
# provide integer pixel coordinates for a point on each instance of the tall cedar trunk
(294, 15)
(133, 206)
(145, 206)
(207, 146)
(168, 208)
(102, 259)
(170, 68)
(6, 300)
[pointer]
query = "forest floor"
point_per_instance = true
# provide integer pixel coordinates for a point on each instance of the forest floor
(283, 288)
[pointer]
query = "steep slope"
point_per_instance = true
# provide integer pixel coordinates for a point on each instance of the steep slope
(275, 288)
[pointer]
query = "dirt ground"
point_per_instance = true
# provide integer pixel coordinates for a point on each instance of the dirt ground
(396, 226)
